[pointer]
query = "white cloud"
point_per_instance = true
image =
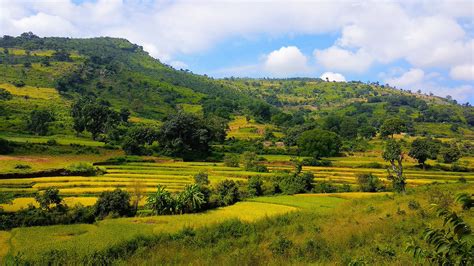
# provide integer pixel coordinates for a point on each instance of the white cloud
(287, 61)
(462, 72)
(416, 79)
(42, 24)
(331, 76)
(407, 80)
(336, 58)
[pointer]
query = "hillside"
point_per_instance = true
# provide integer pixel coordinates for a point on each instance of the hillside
(41, 71)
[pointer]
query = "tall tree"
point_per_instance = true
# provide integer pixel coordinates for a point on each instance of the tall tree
(392, 126)
(393, 154)
(423, 149)
(39, 121)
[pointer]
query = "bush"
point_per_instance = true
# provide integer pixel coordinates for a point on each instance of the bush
(316, 162)
(22, 167)
(84, 169)
(292, 184)
(51, 142)
(5, 146)
(201, 178)
(115, 202)
(281, 246)
(5, 95)
(369, 183)
(227, 193)
(231, 160)
(255, 186)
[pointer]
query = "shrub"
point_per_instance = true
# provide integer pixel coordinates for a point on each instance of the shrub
(414, 205)
(22, 167)
(161, 202)
(255, 186)
(292, 184)
(49, 197)
(227, 193)
(5, 95)
(369, 183)
(51, 142)
(231, 160)
(281, 246)
(5, 146)
(316, 162)
(201, 178)
(84, 169)
(115, 202)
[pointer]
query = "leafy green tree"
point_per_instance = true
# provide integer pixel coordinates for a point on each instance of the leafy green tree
(392, 126)
(367, 131)
(291, 184)
(5, 95)
(319, 143)
(49, 197)
(93, 116)
(451, 154)
(348, 128)
(161, 202)
(201, 178)
(393, 154)
(115, 202)
(191, 199)
(249, 160)
(188, 136)
(137, 137)
(423, 149)
(227, 192)
(254, 186)
(39, 120)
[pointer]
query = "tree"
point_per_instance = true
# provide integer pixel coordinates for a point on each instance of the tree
(5, 146)
(348, 128)
(115, 202)
(369, 182)
(249, 160)
(227, 192)
(5, 95)
(137, 137)
(367, 132)
(392, 126)
(254, 186)
(94, 116)
(161, 202)
(187, 136)
(423, 149)
(201, 178)
(49, 197)
(451, 154)
(393, 154)
(39, 120)
(319, 143)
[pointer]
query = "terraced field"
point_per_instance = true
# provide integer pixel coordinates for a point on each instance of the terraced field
(176, 175)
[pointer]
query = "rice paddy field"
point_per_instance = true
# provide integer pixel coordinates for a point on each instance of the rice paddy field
(175, 175)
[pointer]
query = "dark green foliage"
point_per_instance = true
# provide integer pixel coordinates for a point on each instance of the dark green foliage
(281, 246)
(423, 149)
(451, 153)
(137, 137)
(115, 202)
(227, 193)
(466, 200)
(39, 121)
(254, 186)
(190, 200)
(294, 183)
(161, 202)
(5, 95)
(451, 245)
(188, 136)
(84, 169)
(94, 116)
(392, 126)
(201, 178)
(319, 143)
(49, 197)
(6, 146)
(367, 131)
(369, 183)
(316, 162)
(231, 160)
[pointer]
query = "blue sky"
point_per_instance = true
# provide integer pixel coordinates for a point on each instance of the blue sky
(425, 45)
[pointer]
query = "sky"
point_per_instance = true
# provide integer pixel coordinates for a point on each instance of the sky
(425, 45)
